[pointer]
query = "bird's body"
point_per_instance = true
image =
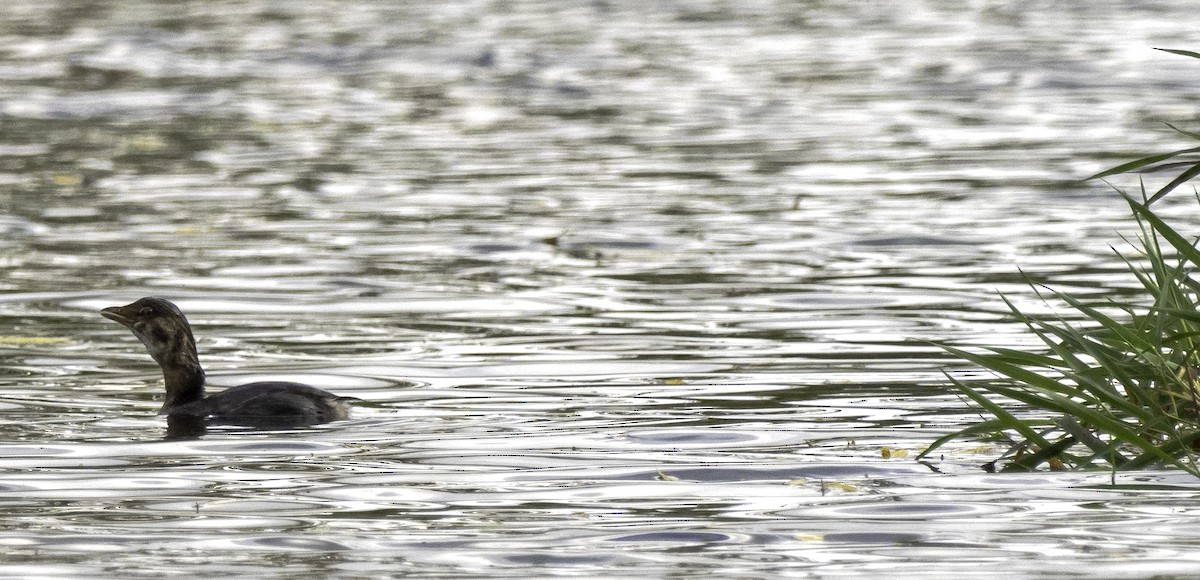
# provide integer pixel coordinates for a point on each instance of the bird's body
(165, 332)
(268, 399)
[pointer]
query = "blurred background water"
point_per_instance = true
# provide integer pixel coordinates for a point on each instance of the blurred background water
(626, 288)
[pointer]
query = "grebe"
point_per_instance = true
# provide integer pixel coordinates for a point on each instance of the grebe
(163, 329)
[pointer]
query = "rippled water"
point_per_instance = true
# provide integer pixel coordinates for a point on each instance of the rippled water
(625, 289)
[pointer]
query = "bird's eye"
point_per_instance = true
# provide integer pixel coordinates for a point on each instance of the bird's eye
(146, 311)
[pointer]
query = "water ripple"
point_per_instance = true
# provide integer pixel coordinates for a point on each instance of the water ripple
(641, 293)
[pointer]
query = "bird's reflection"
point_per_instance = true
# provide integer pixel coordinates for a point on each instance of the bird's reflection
(184, 427)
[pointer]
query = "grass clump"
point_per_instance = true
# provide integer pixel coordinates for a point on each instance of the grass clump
(1121, 388)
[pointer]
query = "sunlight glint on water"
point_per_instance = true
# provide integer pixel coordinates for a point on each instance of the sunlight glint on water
(623, 291)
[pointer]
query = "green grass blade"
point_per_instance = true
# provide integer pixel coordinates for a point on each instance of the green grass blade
(1191, 134)
(1187, 249)
(1005, 419)
(1113, 426)
(1180, 52)
(1140, 163)
(1177, 449)
(982, 428)
(1029, 462)
(1012, 371)
(1107, 451)
(1028, 359)
(1180, 180)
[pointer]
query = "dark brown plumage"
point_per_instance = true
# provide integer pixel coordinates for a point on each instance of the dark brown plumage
(165, 332)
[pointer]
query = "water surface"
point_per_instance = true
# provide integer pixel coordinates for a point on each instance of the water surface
(624, 289)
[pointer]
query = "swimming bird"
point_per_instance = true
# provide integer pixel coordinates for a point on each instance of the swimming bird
(165, 332)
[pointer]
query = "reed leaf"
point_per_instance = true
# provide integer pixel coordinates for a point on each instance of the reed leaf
(1181, 52)
(1143, 162)
(1182, 178)
(1192, 134)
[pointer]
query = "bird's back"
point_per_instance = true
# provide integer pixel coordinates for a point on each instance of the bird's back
(277, 402)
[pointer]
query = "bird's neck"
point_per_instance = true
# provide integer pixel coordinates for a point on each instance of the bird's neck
(185, 382)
